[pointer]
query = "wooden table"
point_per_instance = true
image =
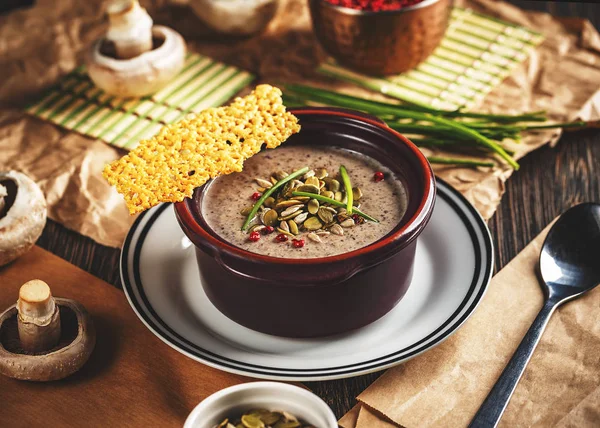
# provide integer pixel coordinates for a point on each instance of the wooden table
(549, 182)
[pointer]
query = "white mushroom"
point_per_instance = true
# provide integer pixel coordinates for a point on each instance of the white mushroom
(145, 57)
(235, 17)
(22, 215)
(130, 28)
(38, 317)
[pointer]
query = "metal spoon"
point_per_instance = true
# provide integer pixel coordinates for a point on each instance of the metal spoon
(569, 266)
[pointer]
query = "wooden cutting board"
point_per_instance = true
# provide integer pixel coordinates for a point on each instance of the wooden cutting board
(132, 378)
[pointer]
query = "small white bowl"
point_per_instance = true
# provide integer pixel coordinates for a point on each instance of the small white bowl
(261, 395)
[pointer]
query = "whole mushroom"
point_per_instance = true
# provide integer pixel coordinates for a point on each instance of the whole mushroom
(22, 215)
(135, 58)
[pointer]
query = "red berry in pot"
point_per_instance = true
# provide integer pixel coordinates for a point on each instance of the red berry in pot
(254, 236)
(269, 229)
(255, 196)
(298, 243)
(282, 237)
(378, 176)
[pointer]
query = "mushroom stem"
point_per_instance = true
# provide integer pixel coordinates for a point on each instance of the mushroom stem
(130, 28)
(39, 317)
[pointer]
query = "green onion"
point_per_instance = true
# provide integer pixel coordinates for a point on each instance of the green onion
(335, 99)
(334, 202)
(270, 191)
(454, 161)
(348, 187)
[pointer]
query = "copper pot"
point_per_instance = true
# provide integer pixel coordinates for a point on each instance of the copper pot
(380, 43)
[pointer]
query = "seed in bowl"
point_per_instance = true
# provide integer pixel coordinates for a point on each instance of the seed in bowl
(262, 418)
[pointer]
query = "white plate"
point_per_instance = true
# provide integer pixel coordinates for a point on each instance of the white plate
(453, 267)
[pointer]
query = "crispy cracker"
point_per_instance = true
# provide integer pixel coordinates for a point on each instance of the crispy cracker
(186, 154)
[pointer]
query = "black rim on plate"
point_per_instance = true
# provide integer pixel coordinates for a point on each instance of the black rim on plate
(481, 277)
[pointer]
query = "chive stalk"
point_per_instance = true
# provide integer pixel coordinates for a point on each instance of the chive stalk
(269, 192)
(348, 187)
(456, 161)
(333, 98)
(325, 199)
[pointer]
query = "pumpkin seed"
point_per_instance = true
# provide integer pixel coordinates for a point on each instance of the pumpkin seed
(342, 216)
(357, 193)
(302, 198)
(341, 210)
(314, 237)
(246, 211)
(321, 173)
(328, 194)
(269, 202)
(347, 223)
(333, 211)
(280, 175)
(258, 228)
(322, 232)
(312, 223)
(325, 215)
(287, 217)
(332, 184)
(251, 421)
(285, 232)
(310, 188)
(289, 417)
(260, 189)
(270, 218)
(338, 196)
(273, 180)
(291, 210)
(309, 174)
(313, 180)
(299, 219)
(336, 229)
(313, 206)
(293, 226)
(263, 418)
(269, 418)
(287, 424)
(296, 183)
(284, 226)
(287, 203)
(264, 183)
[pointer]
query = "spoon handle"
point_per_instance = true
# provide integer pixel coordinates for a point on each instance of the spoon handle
(491, 410)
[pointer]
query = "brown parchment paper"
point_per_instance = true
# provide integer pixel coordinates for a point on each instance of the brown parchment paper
(39, 45)
(445, 386)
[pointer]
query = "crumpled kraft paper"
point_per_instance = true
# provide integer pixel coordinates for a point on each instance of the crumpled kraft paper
(39, 45)
(445, 386)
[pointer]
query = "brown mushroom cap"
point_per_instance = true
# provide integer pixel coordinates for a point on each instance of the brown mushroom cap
(56, 364)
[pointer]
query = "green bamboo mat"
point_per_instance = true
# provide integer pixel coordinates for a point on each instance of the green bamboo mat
(477, 53)
(76, 104)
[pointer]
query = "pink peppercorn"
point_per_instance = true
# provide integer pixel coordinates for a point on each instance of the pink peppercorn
(298, 243)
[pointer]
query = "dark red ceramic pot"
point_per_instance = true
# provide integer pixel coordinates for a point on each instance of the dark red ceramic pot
(329, 295)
